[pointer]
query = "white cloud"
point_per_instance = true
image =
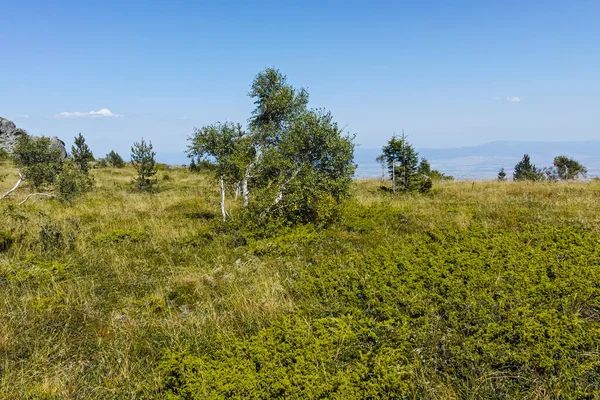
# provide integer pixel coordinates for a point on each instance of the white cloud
(24, 116)
(510, 99)
(103, 112)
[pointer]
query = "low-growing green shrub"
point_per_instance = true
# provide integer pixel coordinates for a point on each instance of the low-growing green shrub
(295, 358)
(200, 239)
(57, 236)
(6, 241)
(33, 271)
(71, 182)
(124, 235)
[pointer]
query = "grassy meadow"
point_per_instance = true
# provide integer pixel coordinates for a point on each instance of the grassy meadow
(475, 290)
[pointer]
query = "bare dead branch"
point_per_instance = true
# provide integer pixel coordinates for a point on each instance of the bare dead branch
(14, 187)
(36, 194)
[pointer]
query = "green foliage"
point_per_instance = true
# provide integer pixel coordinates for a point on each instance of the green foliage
(568, 169)
(193, 167)
(502, 174)
(38, 161)
(56, 236)
(72, 182)
(35, 272)
(475, 291)
(123, 235)
(277, 103)
(425, 314)
(225, 143)
(142, 159)
(405, 171)
(314, 164)
(526, 171)
(82, 155)
(115, 160)
(6, 241)
(100, 163)
(296, 358)
(3, 155)
(294, 164)
(424, 169)
(305, 162)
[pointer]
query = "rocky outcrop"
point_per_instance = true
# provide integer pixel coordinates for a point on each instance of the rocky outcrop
(9, 134)
(56, 143)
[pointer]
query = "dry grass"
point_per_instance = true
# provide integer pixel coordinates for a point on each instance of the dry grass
(133, 274)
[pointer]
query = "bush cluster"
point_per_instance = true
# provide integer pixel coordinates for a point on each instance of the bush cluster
(474, 312)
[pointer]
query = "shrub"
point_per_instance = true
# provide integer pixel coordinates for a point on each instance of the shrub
(115, 160)
(56, 236)
(6, 241)
(39, 162)
(71, 182)
(101, 163)
(334, 357)
(123, 235)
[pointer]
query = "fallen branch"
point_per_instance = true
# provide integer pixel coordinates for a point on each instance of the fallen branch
(36, 194)
(14, 187)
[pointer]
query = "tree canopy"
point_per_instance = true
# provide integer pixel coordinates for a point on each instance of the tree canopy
(405, 171)
(526, 171)
(290, 162)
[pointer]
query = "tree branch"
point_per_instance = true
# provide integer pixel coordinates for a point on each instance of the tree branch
(280, 194)
(21, 178)
(37, 194)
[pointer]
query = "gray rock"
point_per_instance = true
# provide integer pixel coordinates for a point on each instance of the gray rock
(9, 134)
(56, 143)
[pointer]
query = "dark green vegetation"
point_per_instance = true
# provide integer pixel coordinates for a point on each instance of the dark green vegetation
(47, 172)
(81, 153)
(563, 169)
(293, 163)
(405, 171)
(114, 160)
(142, 159)
(474, 290)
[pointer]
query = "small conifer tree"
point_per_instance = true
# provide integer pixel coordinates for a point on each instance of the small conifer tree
(406, 173)
(142, 159)
(82, 155)
(115, 160)
(526, 171)
(502, 174)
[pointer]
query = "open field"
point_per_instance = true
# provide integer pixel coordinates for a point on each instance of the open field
(475, 290)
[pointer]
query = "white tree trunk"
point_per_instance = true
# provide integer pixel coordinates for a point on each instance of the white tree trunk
(245, 192)
(223, 199)
(247, 175)
(282, 190)
(14, 187)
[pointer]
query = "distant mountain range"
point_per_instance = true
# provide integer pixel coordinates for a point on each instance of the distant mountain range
(484, 161)
(471, 162)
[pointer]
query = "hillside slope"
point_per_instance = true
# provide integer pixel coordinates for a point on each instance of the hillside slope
(477, 290)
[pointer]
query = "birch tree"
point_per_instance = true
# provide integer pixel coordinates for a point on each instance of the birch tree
(228, 145)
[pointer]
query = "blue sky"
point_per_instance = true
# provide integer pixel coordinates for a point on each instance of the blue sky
(452, 73)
